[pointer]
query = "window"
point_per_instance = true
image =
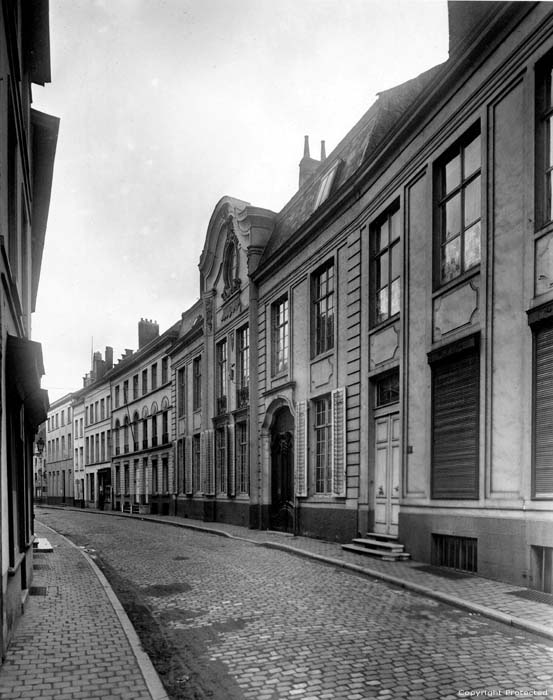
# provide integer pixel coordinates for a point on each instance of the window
(126, 478)
(386, 270)
(181, 389)
(153, 374)
(197, 383)
(459, 209)
(102, 409)
(326, 185)
(243, 343)
(196, 470)
(154, 431)
(63, 418)
(117, 432)
(145, 433)
(155, 481)
(135, 386)
(242, 457)
(103, 447)
(164, 475)
(455, 419)
(116, 398)
(542, 478)
(134, 429)
(387, 389)
(323, 308)
(221, 459)
(323, 445)
(164, 370)
(126, 391)
(144, 382)
(544, 144)
(165, 427)
(280, 342)
(221, 376)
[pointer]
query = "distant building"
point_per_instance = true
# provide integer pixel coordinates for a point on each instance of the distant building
(59, 452)
(26, 163)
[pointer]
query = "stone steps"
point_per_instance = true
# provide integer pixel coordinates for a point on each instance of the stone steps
(384, 547)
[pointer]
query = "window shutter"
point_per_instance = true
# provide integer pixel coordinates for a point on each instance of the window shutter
(209, 487)
(339, 442)
(231, 463)
(455, 433)
(188, 465)
(543, 417)
(300, 450)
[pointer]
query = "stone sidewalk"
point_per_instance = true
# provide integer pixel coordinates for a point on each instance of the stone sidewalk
(512, 605)
(74, 641)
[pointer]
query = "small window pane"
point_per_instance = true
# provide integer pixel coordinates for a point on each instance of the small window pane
(472, 157)
(396, 271)
(395, 297)
(451, 263)
(383, 237)
(383, 270)
(382, 305)
(395, 222)
(472, 202)
(472, 246)
(453, 217)
(452, 174)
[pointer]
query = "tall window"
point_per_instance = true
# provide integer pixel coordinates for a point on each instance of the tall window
(144, 381)
(196, 470)
(134, 429)
(197, 383)
(323, 308)
(323, 445)
(544, 145)
(135, 386)
(386, 266)
(145, 433)
(154, 431)
(126, 434)
(117, 432)
(116, 399)
(280, 341)
(221, 376)
(153, 373)
(221, 459)
(164, 369)
(165, 475)
(126, 391)
(181, 389)
(155, 481)
(243, 384)
(102, 409)
(242, 457)
(165, 427)
(459, 208)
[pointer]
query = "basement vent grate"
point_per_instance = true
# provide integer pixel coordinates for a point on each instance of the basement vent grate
(38, 590)
(535, 596)
(460, 553)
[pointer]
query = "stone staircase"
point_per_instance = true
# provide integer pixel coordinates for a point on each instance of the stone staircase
(385, 547)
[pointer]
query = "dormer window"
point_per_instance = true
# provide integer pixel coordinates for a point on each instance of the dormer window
(326, 185)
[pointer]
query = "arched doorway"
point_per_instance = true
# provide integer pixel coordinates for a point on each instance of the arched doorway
(282, 471)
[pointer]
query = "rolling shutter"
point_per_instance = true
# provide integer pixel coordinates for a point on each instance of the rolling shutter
(188, 465)
(339, 442)
(543, 416)
(455, 434)
(300, 450)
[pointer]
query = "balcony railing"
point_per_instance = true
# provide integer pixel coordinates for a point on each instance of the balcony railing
(243, 396)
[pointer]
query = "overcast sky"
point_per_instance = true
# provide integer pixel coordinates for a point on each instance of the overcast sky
(168, 105)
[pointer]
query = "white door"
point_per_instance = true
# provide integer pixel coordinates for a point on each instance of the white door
(386, 483)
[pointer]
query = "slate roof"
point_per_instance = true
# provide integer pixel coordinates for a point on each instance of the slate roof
(353, 151)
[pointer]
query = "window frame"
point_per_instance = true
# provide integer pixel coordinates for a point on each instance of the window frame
(377, 254)
(322, 473)
(280, 341)
(197, 383)
(442, 197)
(321, 340)
(544, 141)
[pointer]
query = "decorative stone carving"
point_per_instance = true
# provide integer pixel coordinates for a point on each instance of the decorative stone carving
(321, 373)
(231, 261)
(208, 315)
(456, 309)
(384, 345)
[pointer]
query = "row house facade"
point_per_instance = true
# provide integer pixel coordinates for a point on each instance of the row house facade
(377, 357)
(59, 451)
(27, 149)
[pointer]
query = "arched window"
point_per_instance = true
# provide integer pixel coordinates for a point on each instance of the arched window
(145, 432)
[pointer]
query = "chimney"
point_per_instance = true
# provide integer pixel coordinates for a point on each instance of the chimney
(323, 151)
(148, 330)
(308, 165)
(109, 357)
(97, 365)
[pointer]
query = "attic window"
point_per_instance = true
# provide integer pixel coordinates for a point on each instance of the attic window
(326, 185)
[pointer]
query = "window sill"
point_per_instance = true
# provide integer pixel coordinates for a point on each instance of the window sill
(384, 324)
(457, 282)
(323, 356)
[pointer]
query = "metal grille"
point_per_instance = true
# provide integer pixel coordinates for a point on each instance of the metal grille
(459, 553)
(38, 590)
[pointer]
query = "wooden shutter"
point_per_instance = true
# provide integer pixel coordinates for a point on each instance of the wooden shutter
(543, 413)
(231, 462)
(455, 433)
(209, 484)
(339, 442)
(188, 465)
(300, 449)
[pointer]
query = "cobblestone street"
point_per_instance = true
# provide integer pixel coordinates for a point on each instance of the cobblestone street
(251, 622)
